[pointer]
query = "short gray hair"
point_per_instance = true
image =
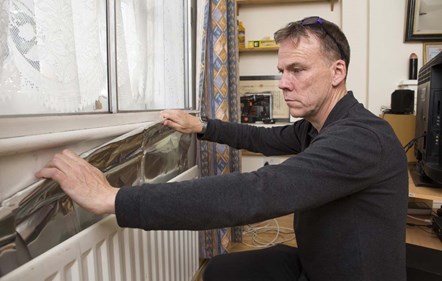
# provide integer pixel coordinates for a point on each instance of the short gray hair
(332, 39)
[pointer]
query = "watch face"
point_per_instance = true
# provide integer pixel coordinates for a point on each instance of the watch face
(204, 121)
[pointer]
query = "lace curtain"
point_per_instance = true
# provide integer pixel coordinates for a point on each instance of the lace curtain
(52, 56)
(151, 54)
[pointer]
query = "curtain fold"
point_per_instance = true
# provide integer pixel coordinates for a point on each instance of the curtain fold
(218, 99)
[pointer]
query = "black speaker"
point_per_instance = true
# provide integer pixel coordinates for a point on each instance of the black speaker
(402, 102)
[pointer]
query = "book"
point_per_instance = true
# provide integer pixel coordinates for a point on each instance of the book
(418, 208)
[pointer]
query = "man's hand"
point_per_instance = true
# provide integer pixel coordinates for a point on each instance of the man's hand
(181, 121)
(81, 181)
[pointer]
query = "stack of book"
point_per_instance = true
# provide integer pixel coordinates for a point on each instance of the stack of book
(418, 208)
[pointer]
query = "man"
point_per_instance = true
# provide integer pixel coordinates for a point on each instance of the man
(347, 185)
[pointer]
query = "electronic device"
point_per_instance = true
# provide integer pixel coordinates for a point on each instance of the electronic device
(256, 107)
(428, 139)
(437, 226)
(402, 102)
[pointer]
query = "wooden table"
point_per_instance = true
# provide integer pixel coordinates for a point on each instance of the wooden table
(418, 235)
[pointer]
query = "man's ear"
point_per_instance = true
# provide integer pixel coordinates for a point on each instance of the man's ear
(340, 72)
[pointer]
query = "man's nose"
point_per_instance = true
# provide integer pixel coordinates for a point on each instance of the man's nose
(283, 83)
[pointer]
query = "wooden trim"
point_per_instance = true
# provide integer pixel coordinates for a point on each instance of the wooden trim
(252, 50)
(252, 2)
(262, 2)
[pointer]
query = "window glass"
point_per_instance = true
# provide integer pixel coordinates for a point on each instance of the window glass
(53, 56)
(151, 54)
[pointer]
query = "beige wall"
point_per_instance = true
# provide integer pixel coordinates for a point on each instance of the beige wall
(375, 30)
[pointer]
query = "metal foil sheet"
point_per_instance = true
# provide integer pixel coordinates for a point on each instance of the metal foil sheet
(42, 215)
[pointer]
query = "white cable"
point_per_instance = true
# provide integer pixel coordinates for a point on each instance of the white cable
(255, 230)
(419, 219)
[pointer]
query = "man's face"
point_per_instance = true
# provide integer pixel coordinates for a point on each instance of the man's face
(306, 77)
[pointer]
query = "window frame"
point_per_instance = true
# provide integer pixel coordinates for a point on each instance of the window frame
(17, 127)
(189, 64)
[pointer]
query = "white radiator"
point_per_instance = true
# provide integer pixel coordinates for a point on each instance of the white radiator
(105, 251)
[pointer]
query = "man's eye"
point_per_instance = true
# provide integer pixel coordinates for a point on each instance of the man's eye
(296, 70)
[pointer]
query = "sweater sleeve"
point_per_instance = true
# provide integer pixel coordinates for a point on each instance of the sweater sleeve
(277, 140)
(334, 166)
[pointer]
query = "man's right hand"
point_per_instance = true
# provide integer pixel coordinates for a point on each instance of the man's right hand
(81, 181)
(181, 121)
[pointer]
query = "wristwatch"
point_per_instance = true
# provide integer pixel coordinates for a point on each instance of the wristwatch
(204, 121)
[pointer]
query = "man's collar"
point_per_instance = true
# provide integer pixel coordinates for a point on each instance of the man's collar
(338, 112)
(341, 108)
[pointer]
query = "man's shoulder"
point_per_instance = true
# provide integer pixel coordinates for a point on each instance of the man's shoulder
(360, 117)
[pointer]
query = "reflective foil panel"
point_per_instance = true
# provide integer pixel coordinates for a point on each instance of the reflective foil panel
(42, 216)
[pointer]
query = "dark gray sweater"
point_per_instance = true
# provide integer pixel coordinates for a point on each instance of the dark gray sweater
(347, 185)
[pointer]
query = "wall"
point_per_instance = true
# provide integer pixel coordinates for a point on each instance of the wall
(375, 30)
(263, 20)
(27, 144)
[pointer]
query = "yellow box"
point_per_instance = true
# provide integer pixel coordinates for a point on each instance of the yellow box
(404, 125)
(270, 43)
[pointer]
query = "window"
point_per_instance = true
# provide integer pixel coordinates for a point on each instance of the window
(62, 57)
(151, 57)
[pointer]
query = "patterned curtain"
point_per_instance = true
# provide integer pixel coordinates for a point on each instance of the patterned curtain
(218, 97)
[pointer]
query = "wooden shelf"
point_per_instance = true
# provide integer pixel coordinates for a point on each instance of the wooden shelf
(255, 2)
(252, 50)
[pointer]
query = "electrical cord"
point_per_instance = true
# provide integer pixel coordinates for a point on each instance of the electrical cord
(424, 227)
(256, 230)
(411, 143)
(413, 224)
